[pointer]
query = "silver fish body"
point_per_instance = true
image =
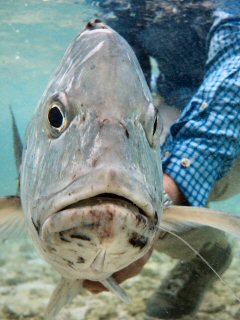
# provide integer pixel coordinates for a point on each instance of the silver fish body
(91, 176)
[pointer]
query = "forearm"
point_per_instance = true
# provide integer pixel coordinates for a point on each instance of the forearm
(204, 143)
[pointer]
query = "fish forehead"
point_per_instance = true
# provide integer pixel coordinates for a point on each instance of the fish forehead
(100, 70)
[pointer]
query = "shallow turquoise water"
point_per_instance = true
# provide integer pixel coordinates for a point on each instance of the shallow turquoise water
(34, 35)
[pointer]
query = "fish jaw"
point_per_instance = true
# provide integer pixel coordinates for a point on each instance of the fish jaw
(96, 237)
(97, 225)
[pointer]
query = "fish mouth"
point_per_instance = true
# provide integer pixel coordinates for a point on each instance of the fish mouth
(104, 207)
(109, 197)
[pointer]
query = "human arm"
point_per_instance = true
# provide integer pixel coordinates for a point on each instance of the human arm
(204, 143)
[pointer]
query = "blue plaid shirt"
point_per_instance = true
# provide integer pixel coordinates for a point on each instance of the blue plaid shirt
(203, 144)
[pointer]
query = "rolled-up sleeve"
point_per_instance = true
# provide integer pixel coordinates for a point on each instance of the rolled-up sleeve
(203, 144)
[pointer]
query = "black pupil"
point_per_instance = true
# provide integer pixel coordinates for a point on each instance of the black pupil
(55, 117)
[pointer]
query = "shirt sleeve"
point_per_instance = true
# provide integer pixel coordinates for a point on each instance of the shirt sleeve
(203, 144)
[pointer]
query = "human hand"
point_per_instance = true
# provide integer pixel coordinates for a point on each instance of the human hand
(172, 189)
(130, 271)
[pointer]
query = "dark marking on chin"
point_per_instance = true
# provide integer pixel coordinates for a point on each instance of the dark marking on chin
(70, 264)
(36, 226)
(140, 218)
(51, 249)
(80, 236)
(94, 163)
(137, 240)
(156, 218)
(153, 225)
(111, 214)
(63, 238)
(80, 260)
(127, 133)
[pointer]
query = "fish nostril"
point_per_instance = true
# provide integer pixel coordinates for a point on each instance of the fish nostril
(126, 133)
(156, 218)
(111, 121)
(36, 225)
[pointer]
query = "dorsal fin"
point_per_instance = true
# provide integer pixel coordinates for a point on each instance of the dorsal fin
(17, 143)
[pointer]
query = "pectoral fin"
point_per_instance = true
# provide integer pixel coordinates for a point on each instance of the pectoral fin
(63, 294)
(179, 218)
(114, 287)
(11, 217)
(67, 289)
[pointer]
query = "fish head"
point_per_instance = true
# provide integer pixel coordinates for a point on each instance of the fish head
(91, 176)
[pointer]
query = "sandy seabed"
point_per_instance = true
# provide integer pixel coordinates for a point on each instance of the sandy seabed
(26, 283)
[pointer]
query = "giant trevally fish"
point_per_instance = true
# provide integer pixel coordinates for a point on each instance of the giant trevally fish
(91, 191)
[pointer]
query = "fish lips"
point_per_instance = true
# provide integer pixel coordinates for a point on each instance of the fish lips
(102, 212)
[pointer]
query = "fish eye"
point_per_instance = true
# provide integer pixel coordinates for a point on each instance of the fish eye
(152, 125)
(56, 117)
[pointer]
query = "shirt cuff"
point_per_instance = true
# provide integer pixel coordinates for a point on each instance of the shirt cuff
(187, 167)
